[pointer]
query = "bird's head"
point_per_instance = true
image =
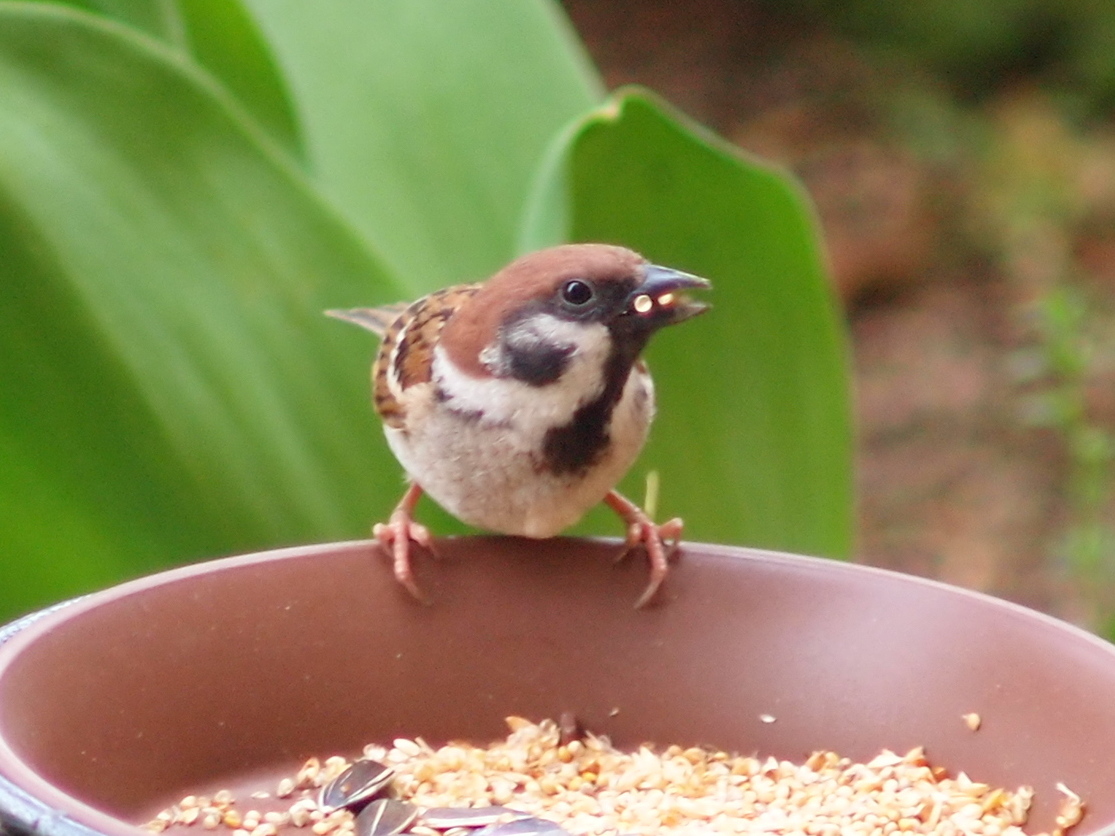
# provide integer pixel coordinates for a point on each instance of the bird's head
(531, 320)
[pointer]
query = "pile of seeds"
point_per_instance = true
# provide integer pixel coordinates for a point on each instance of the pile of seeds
(587, 787)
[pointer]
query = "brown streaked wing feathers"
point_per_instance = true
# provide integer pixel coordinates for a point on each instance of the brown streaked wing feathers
(415, 332)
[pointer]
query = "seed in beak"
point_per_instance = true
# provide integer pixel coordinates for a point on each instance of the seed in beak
(643, 303)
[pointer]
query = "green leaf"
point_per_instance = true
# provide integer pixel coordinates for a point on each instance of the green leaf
(171, 389)
(424, 121)
(158, 18)
(753, 441)
(221, 36)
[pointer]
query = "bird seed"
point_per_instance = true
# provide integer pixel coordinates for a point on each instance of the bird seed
(590, 788)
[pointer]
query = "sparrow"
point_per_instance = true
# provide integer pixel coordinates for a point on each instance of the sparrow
(520, 402)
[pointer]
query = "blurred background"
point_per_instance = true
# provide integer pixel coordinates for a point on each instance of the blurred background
(962, 159)
(960, 156)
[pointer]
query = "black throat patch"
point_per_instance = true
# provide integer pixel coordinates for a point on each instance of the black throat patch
(573, 448)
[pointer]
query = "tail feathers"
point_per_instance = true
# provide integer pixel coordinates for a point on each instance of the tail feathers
(376, 320)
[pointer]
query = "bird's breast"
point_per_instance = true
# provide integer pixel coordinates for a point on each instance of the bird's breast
(489, 466)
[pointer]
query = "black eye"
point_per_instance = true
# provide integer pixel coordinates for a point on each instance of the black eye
(577, 293)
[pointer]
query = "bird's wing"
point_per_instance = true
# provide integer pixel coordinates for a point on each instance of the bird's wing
(408, 334)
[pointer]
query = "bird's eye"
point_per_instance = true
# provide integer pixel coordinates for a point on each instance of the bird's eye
(577, 293)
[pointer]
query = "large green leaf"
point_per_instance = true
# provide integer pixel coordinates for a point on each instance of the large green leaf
(221, 36)
(170, 388)
(425, 120)
(753, 439)
(158, 18)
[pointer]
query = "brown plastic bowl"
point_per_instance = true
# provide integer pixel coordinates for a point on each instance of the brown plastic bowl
(118, 703)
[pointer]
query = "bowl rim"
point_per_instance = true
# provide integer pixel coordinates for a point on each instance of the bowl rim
(30, 804)
(22, 812)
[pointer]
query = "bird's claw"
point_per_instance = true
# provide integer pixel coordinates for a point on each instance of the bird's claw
(639, 533)
(659, 541)
(396, 535)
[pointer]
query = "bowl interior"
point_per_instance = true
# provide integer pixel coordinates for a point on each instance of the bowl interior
(123, 701)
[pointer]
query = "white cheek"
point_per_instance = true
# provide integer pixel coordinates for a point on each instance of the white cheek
(513, 402)
(544, 328)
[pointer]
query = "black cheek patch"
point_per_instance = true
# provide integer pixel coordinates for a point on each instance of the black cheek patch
(537, 363)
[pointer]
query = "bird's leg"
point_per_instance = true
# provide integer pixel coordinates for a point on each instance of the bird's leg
(396, 534)
(660, 541)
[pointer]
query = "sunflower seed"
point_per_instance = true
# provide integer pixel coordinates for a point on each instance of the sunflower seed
(529, 826)
(443, 818)
(359, 783)
(385, 817)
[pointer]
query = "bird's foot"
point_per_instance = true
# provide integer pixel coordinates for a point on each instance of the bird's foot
(398, 533)
(659, 541)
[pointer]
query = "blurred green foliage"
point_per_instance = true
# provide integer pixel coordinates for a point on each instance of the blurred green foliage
(186, 184)
(976, 47)
(1063, 327)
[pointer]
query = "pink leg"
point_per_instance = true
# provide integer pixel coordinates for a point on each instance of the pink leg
(396, 534)
(659, 540)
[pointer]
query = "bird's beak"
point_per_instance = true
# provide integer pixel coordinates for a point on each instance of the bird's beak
(660, 299)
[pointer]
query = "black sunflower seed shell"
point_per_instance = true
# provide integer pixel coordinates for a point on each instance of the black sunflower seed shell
(385, 817)
(361, 782)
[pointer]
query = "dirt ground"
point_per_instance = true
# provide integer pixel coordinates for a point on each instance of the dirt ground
(939, 259)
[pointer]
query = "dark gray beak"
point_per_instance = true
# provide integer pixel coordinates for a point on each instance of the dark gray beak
(660, 298)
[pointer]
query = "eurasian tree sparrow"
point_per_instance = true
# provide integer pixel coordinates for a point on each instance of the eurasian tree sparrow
(520, 402)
